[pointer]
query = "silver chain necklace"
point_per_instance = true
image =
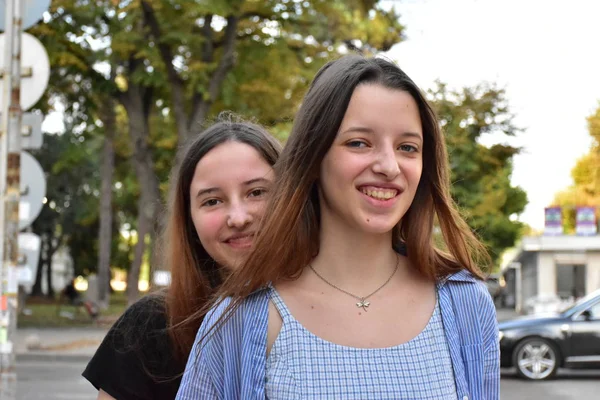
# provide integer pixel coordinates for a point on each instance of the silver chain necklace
(362, 301)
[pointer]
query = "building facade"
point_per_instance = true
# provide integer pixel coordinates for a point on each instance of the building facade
(553, 267)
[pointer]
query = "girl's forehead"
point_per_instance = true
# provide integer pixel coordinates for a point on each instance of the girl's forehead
(231, 163)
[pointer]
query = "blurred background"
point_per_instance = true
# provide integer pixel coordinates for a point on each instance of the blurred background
(515, 85)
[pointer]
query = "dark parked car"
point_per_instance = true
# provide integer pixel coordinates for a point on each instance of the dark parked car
(538, 345)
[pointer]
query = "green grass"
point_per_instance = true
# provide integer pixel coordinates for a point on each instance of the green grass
(44, 313)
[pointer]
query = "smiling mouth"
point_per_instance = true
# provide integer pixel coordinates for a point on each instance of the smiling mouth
(240, 241)
(379, 193)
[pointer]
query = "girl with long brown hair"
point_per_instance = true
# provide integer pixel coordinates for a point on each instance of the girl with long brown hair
(346, 293)
(219, 193)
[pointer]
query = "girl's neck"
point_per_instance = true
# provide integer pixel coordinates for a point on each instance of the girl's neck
(352, 258)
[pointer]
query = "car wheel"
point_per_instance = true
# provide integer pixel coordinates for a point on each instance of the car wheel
(536, 359)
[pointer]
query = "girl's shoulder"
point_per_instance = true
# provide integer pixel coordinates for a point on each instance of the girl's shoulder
(135, 357)
(223, 314)
(472, 304)
(146, 316)
(463, 285)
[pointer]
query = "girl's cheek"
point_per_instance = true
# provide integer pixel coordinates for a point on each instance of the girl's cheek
(208, 224)
(258, 208)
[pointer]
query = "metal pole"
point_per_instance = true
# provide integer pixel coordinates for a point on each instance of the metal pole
(11, 141)
(518, 287)
(8, 14)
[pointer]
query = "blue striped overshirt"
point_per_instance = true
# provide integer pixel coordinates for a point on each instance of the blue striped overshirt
(231, 363)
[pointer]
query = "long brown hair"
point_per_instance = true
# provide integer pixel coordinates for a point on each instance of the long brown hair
(289, 236)
(194, 273)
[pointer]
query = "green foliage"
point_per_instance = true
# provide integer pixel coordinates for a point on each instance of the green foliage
(278, 46)
(480, 174)
(72, 181)
(70, 215)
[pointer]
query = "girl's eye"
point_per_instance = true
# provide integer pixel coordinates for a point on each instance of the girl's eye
(257, 192)
(408, 148)
(356, 144)
(210, 203)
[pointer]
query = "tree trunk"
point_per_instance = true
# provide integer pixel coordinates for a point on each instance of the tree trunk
(36, 290)
(105, 230)
(147, 207)
(49, 253)
(137, 101)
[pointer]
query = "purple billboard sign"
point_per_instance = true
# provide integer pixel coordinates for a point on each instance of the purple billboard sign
(585, 224)
(553, 225)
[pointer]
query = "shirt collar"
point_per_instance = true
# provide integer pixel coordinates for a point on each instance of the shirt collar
(461, 276)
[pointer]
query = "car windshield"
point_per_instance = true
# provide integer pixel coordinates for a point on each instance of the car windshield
(582, 300)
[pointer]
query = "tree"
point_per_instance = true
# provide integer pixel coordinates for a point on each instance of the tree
(181, 59)
(84, 38)
(86, 98)
(480, 174)
(585, 190)
(199, 43)
(72, 181)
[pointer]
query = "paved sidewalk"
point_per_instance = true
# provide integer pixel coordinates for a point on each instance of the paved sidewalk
(58, 344)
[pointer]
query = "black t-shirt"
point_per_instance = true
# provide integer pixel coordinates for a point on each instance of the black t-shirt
(134, 361)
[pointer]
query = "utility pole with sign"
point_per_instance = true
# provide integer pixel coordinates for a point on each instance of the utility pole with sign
(10, 189)
(22, 58)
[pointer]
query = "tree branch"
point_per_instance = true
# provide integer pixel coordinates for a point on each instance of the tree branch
(224, 66)
(177, 83)
(207, 32)
(227, 58)
(164, 49)
(147, 97)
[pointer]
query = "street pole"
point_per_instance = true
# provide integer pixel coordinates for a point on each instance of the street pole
(11, 144)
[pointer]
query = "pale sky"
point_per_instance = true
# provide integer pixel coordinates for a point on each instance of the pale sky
(545, 53)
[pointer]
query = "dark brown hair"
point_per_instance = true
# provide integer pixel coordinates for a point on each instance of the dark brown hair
(194, 273)
(289, 236)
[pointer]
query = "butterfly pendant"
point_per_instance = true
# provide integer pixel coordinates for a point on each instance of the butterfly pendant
(364, 304)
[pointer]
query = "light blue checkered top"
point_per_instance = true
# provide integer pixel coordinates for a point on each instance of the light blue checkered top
(230, 363)
(302, 365)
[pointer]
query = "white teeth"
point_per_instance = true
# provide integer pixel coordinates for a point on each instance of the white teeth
(380, 194)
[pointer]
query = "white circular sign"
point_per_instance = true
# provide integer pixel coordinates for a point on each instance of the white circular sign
(33, 190)
(34, 58)
(33, 11)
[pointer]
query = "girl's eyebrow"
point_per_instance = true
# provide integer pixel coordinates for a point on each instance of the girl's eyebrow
(256, 180)
(202, 192)
(359, 129)
(363, 129)
(206, 191)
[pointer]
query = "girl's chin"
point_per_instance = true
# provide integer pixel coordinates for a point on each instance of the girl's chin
(232, 259)
(377, 229)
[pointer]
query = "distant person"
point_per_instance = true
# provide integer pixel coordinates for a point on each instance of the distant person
(71, 294)
(74, 298)
(349, 292)
(219, 192)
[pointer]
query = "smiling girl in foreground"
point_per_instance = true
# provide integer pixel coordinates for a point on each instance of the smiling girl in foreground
(345, 294)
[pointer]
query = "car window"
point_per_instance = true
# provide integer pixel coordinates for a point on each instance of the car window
(583, 300)
(595, 311)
